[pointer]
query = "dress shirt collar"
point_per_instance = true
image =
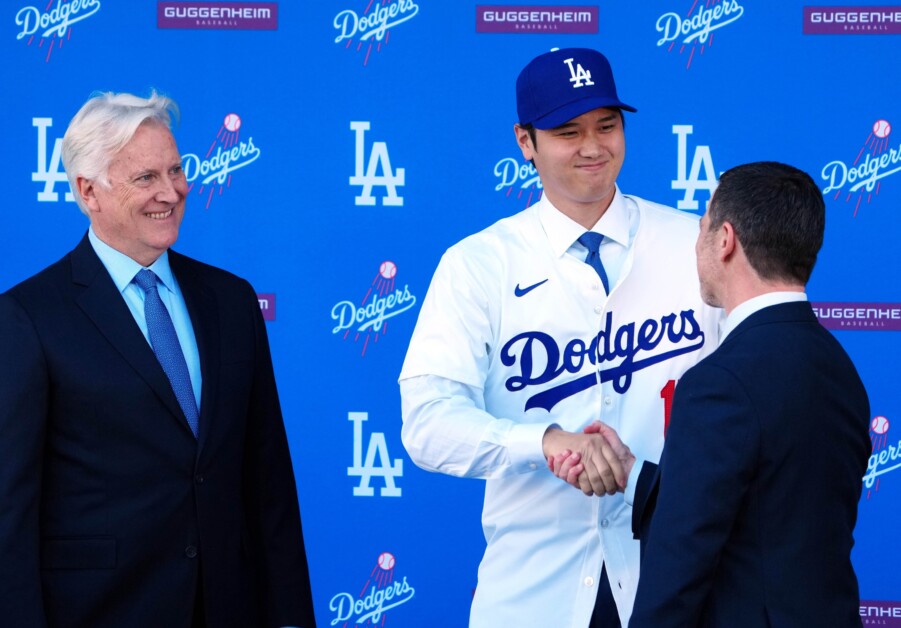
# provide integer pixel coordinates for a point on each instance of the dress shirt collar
(123, 269)
(562, 231)
(743, 311)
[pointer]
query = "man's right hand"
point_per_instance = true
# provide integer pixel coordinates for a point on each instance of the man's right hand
(599, 465)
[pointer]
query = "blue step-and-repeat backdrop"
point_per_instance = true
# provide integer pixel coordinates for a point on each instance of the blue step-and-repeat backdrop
(336, 148)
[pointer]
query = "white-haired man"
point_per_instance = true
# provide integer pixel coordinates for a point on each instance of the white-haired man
(146, 477)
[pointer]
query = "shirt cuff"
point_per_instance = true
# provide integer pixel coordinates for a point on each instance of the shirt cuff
(632, 481)
(524, 445)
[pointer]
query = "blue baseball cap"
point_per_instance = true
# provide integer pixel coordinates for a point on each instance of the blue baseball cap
(560, 85)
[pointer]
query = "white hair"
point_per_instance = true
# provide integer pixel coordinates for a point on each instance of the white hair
(102, 127)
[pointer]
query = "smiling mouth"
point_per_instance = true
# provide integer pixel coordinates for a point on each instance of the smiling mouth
(160, 215)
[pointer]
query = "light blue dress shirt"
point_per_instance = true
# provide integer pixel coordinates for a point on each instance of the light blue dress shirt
(123, 269)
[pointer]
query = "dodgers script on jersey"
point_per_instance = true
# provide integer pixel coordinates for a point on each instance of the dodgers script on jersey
(518, 334)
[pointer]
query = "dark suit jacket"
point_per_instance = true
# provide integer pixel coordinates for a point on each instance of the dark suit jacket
(112, 512)
(755, 500)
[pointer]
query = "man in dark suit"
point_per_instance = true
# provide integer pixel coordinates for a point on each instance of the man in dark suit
(145, 477)
(749, 519)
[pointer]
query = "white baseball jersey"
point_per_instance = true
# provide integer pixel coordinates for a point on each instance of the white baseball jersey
(516, 334)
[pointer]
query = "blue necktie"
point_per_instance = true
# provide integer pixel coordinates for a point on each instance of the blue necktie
(165, 345)
(592, 241)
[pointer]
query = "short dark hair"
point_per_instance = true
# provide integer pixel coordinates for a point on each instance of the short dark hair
(778, 215)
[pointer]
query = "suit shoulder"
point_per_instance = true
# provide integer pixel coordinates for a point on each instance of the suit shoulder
(45, 284)
(207, 273)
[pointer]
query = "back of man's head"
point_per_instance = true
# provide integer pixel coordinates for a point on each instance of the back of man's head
(778, 215)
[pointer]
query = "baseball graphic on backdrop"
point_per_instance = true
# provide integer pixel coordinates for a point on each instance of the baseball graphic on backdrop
(881, 128)
(232, 122)
(386, 561)
(388, 269)
(879, 425)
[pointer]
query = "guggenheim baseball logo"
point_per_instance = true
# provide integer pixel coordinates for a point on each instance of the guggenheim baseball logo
(383, 591)
(255, 16)
(211, 173)
(858, 316)
(536, 19)
(53, 23)
(371, 29)
(693, 33)
(867, 20)
(876, 159)
(369, 319)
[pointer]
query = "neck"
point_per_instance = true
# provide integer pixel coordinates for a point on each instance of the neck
(586, 214)
(748, 292)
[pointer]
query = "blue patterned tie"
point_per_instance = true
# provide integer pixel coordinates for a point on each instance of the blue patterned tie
(165, 345)
(592, 241)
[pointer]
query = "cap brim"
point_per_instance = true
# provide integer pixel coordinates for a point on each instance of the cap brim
(567, 112)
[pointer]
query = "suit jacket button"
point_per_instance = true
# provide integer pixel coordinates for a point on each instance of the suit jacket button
(198, 478)
(191, 551)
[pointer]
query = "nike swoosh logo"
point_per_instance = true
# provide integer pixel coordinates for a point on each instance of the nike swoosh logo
(521, 292)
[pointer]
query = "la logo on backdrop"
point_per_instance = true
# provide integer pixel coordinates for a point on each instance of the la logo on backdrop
(51, 24)
(694, 31)
(382, 591)
(210, 173)
(370, 29)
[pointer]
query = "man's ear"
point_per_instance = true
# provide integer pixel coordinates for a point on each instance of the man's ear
(524, 139)
(726, 240)
(86, 190)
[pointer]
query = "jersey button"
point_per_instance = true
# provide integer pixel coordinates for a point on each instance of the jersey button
(608, 401)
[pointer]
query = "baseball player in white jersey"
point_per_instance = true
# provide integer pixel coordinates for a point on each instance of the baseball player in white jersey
(531, 330)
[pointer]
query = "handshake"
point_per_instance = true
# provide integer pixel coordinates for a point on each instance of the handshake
(595, 461)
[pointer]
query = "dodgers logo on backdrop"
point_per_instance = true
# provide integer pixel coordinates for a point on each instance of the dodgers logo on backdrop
(886, 456)
(377, 462)
(536, 19)
(515, 174)
(366, 173)
(371, 28)
(53, 24)
(382, 592)
(50, 171)
(618, 352)
(696, 31)
(861, 179)
(211, 174)
(702, 175)
(383, 300)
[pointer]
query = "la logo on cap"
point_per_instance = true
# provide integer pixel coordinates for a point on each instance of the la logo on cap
(580, 76)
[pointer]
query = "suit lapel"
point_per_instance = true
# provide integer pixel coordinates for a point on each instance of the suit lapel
(204, 312)
(101, 302)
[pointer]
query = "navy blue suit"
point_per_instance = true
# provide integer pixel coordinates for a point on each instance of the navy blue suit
(748, 521)
(113, 514)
